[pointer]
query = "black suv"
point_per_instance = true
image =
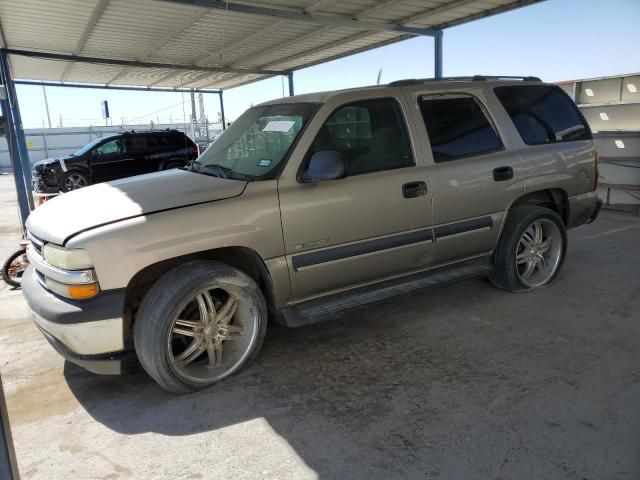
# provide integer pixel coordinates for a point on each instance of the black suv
(112, 157)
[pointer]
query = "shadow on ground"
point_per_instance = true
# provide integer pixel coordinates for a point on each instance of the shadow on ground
(464, 381)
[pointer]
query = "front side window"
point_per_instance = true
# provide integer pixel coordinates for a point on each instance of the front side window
(543, 114)
(371, 136)
(112, 146)
(256, 144)
(457, 127)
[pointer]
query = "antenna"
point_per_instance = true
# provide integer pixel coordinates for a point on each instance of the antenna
(379, 77)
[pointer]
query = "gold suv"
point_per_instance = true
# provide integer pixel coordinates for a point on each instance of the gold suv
(305, 207)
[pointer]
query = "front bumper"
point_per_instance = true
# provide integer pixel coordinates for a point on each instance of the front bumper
(44, 182)
(89, 333)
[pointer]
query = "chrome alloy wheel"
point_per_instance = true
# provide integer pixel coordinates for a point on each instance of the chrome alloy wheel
(212, 334)
(539, 252)
(74, 182)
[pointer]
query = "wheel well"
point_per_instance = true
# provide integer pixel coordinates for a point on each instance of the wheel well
(242, 258)
(164, 164)
(553, 198)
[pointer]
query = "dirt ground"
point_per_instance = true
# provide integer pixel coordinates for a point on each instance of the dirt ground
(462, 382)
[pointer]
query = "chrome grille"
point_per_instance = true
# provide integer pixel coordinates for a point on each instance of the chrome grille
(37, 243)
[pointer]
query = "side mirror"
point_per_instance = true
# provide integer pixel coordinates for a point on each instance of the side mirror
(326, 165)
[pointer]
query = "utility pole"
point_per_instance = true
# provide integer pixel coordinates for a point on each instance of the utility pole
(46, 104)
(193, 114)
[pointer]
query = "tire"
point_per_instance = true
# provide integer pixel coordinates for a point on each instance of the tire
(525, 257)
(175, 315)
(73, 180)
(14, 267)
(172, 164)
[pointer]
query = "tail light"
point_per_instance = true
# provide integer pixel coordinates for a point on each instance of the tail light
(195, 150)
(596, 180)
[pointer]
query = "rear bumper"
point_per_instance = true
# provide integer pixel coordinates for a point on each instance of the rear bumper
(596, 212)
(583, 208)
(89, 333)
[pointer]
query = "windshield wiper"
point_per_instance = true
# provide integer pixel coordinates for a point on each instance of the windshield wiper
(222, 171)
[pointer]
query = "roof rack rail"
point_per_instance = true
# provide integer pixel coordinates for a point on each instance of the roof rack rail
(474, 78)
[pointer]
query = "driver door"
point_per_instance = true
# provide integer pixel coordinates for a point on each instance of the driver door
(109, 161)
(372, 224)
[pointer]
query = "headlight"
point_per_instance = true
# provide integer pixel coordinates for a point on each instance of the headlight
(74, 259)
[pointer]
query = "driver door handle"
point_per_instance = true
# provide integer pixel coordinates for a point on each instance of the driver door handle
(414, 189)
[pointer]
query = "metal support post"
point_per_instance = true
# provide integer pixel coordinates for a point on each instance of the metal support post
(290, 80)
(15, 138)
(18, 177)
(8, 463)
(224, 121)
(437, 68)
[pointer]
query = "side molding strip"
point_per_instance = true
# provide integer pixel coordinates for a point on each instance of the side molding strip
(370, 246)
(362, 248)
(463, 227)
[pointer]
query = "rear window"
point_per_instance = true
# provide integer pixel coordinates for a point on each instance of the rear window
(457, 127)
(543, 114)
(179, 140)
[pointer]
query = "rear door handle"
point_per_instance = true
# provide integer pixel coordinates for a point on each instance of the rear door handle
(414, 189)
(501, 174)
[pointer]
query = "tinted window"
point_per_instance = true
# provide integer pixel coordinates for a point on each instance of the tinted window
(137, 143)
(457, 127)
(371, 135)
(543, 114)
(176, 140)
(152, 141)
(163, 140)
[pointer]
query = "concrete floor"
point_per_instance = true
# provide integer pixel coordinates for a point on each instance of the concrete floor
(463, 382)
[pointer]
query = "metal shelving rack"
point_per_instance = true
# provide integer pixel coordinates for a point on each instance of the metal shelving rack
(611, 105)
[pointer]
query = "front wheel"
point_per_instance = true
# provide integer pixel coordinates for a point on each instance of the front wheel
(14, 267)
(73, 180)
(201, 322)
(531, 249)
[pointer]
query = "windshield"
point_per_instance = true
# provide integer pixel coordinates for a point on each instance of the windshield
(89, 146)
(254, 146)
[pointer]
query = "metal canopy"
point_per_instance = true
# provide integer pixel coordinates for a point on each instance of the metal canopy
(211, 43)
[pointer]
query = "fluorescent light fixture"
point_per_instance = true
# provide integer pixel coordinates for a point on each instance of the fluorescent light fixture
(589, 92)
(604, 116)
(632, 87)
(619, 144)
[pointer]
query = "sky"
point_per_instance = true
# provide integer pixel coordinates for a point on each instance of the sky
(555, 40)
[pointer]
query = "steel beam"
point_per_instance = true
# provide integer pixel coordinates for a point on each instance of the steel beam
(224, 121)
(16, 141)
(303, 16)
(93, 20)
(115, 87)
(290, 80)
(137, 64)
(437, 58)
(8, 463)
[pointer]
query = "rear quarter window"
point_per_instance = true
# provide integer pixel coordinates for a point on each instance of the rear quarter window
(543, 114)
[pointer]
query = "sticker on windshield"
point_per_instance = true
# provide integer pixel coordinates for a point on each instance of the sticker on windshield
(265, 162)
(282, 126)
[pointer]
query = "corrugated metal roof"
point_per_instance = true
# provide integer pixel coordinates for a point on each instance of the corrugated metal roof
(236, 36)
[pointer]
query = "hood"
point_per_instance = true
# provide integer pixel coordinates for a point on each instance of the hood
(41, 164)
(89, 207)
